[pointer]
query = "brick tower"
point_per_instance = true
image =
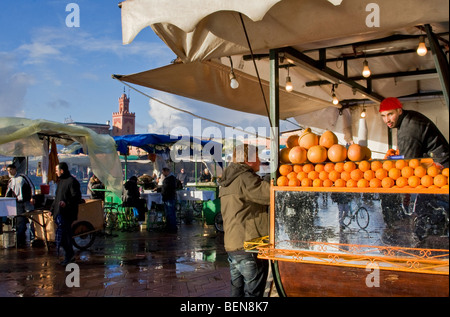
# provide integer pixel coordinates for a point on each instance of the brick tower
(124, 120)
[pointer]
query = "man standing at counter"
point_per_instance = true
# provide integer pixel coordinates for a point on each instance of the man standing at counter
(244, 198)
(417, 136)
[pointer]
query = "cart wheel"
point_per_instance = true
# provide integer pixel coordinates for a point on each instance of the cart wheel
(82, 240)
(218, 222)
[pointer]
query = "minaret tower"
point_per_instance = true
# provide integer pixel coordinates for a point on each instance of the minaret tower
(123, 121)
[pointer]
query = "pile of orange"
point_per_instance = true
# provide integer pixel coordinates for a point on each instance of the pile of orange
(412, 173)
(310, 147)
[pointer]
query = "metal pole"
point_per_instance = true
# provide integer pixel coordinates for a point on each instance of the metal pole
(274, 114)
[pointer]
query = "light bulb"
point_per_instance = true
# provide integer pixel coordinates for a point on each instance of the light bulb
(335, 100)
(233, 82)
(422, 48)
(289, 86)
(363, 113)
(366, 69)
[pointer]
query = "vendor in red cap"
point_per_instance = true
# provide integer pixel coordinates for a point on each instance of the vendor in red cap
(417, 136)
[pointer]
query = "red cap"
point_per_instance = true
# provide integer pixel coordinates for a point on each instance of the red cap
(390, 104)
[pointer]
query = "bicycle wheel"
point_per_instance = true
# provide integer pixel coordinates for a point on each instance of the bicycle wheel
(362, 217)
(83, 235)
(218, 222)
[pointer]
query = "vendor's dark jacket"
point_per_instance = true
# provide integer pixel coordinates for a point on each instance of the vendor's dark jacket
(418, 136)
(244, 198)
(68, 190)
(169, 188)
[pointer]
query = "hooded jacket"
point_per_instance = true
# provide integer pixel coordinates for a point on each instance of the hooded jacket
(418, 136)
(244, 198)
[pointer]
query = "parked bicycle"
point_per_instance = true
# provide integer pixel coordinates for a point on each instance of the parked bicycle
(361, 215)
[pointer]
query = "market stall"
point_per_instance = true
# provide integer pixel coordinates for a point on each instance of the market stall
(313, 249)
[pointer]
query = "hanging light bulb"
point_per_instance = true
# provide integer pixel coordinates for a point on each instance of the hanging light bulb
(233, 81)
(289, 86)
(363, 113)
(234, 84)
(422, 48)
(334, 99)
(366, 70)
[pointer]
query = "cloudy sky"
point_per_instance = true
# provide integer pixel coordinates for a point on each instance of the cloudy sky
(52, 71)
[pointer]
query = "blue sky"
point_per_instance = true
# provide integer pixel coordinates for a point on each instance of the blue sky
(51, 71)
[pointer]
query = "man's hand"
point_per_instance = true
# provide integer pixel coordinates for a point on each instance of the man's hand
(62, 204)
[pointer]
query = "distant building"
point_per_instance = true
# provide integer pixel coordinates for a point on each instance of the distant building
(123, 122)
(96, 127)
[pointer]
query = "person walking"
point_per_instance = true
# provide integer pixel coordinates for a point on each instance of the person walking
(169, 195)
(244, 198)
(65, 209)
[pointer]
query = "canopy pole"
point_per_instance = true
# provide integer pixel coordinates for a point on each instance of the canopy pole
(274, 114)
(440, 61)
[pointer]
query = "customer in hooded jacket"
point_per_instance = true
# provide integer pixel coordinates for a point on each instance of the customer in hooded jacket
(244, 199)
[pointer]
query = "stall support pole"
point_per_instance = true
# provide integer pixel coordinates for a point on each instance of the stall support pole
(274, 114)
(440, 61)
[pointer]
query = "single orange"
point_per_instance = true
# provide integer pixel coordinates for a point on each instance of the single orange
(294, 182)
(414, 163)
(433, 171)
(340, 183)
(387, 182)
(345, 175)
(400, 164)
(445, 172)
(440, 180)
(308, 167)
(381, 173)
(407, 171)
(349, 166)
(306, 182)
(401, 182)
(364, 166)
(426, 162)
(282, 181)
(285, 169)
(339, 167)
(292, 175)
(369, 175)
(357, 174)
(327, 183)
(334, 175)
(328, 167)
(302, 175)
(319, 167)
(323, 175)
(297, 168)
(317, 182)
(284, 155)
(351, 183)
(362, 183)
(375, 183)
(426, 180)
(375, 165)
(420, 171)
(313, 175)
(394, 173)
(414, 181)
(388, 164)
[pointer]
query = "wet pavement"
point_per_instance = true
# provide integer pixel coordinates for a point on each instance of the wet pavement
(190, 263)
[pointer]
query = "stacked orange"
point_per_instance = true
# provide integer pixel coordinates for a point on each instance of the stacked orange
(412, 173)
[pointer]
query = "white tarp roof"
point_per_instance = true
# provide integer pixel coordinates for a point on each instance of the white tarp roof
(22, 137)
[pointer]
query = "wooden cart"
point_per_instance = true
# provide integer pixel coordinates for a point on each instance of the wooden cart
(90, 220)
(375, 248)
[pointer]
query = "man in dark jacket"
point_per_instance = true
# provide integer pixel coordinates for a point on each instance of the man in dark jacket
(169, 195)
(65, 209)
(417, 136)
(244, 198)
